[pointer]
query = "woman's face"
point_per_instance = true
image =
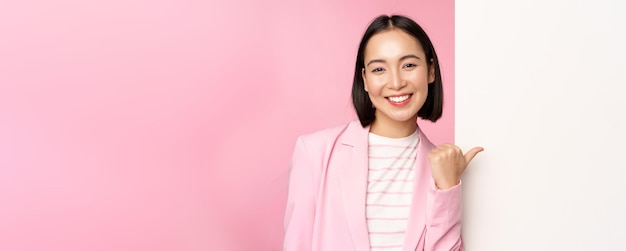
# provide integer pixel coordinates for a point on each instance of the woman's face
(396, 75)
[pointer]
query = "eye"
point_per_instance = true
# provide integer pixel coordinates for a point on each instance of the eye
(409, 65)
(378, 69)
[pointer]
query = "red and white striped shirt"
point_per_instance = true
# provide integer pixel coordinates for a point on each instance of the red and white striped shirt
(390, 189)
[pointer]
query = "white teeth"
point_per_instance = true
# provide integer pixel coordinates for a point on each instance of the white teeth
(399, 99)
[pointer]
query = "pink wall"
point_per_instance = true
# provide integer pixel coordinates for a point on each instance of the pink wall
(168, 125)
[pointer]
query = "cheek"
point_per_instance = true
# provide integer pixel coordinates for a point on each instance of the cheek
(420, 80)
(373, 88)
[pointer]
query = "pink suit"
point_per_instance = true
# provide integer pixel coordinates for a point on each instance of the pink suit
(327, 194)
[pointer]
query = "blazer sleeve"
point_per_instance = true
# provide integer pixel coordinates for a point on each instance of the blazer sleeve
(443, 219)
(300, 211)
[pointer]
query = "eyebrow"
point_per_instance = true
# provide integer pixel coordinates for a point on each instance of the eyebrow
(402, 58)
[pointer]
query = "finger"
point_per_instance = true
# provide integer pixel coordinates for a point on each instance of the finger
(472, 153)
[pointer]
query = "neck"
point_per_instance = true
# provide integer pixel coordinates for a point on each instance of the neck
(393, 129)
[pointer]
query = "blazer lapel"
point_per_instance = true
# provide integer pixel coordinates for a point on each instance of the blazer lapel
(417, 215)
(353, 180)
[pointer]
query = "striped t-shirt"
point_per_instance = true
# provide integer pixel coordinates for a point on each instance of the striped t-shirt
(390, 189)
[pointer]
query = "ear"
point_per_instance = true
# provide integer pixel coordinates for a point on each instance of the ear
(363, 76)
(431, 71)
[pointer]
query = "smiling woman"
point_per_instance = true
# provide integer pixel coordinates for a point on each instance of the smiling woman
(379, 183)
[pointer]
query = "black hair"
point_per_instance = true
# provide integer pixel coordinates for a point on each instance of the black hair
(433, 106)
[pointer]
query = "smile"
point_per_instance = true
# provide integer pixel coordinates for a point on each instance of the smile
(399, 100)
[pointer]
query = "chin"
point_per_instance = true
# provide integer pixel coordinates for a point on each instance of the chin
(404, 118)
(398, 115)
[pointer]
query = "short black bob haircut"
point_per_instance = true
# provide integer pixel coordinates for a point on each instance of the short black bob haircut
(433, 106)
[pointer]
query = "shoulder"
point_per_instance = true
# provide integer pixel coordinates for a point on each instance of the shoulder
(312, 151)
(428, 145)
(425, 144)
(327, 137)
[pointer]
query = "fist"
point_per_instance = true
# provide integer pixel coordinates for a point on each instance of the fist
(447, 164)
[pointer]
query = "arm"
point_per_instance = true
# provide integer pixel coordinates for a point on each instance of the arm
(443, 213)
(443, 218)
(300, 212)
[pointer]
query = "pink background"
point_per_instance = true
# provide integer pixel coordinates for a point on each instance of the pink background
(168, 125)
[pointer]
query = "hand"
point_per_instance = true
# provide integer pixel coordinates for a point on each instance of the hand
(447, 163)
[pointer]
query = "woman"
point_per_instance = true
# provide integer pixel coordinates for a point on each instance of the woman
(379, 183)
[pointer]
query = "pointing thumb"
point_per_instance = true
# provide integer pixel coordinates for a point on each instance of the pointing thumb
(472, 153)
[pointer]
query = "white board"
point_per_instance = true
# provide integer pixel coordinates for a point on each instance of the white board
(541, 85)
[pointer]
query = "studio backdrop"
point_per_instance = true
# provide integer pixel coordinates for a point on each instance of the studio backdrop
(169, 125)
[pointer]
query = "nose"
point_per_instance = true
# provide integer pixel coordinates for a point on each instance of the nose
(397, 81)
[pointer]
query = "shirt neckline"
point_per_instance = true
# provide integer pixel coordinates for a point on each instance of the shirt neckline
(395, 141)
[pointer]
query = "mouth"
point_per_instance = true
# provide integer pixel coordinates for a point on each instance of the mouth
(399, 100)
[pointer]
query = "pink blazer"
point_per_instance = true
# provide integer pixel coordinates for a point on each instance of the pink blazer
(327, 193)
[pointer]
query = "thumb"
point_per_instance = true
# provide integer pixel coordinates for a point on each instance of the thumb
(472, 153)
